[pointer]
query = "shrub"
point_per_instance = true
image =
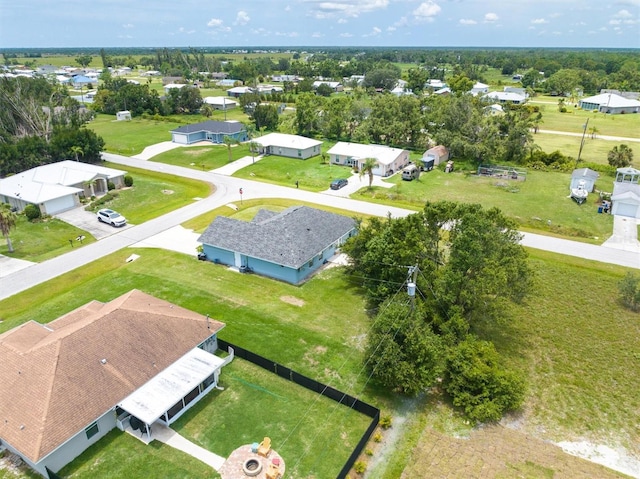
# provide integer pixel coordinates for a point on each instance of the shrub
(32, 212)
(478, 384)
(629, 289)
(385, 421)
(377, 437)
(368, 451)
(110, 185)
(128, 180)
(360, 467)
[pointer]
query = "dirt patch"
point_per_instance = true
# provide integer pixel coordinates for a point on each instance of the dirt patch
(195, 151)
(292, 300)
(497, 452)
(167, 192)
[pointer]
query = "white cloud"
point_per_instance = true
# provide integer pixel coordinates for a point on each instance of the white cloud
(539, 21)
(215, 22)
(615, 22)
(374, 32)
(623, 14)
(391, 29)
(127, 25)
(317, 35)
(242, 18)
(426, 11)
(349, 8)
(491, 17)
(465, 21)
(287, 8)
(287, 34)
(184, 30)
(342, 20)
(346, 35)
(633, 3)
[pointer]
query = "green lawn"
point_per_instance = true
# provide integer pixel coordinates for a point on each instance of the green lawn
(203, 157)
(120, 455)
(540, 203)
(594, 149)
(42, 240)
(313, 434)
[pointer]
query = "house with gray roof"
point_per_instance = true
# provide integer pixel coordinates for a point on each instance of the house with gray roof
(213, 131)
(288, 246)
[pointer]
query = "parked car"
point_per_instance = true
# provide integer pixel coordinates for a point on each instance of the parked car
(339, 183)
(111, 217)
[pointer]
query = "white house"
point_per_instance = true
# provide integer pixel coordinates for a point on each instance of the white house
(220, 102)
(238, 91)
(505, 97)
(57, 187)
(479, 89)
(133, 361)
(626, 193)
(292, 146)
(172, 86)
(334, 85)
(610, 103)
(124, 115)
(388, 160)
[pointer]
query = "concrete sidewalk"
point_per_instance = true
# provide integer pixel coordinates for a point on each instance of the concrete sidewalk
(171, 438)
(9, 266)
(230, 168)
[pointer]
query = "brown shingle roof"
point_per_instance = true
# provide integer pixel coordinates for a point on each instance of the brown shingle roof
(53, 383)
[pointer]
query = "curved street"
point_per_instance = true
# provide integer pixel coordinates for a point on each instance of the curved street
(227, 191)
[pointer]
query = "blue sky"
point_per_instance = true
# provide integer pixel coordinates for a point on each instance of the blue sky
(464, 23)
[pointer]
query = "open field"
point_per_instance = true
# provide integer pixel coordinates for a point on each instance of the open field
(203, 158)
(594, 150)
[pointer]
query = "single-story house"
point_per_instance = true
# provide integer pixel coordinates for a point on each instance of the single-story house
(57, 187)
(81, 80)
(438, 154)
(443, 91)
(228, 82)
(435, 84)
(66, 383)
(505, 97)
(610, 103)
(124, 115)
(389, 160)
(586, 175)
(334, 85)
(213, 131)
(626, 193)
(493, 109)
(174, 86)
(220, 102)
(269, 89)
(479, 88)
(291, 146)
(288, 246)
(238, 91)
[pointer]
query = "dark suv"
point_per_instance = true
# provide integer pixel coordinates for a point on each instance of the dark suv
(339, 183)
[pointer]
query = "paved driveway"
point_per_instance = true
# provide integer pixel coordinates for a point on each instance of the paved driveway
(88, 222)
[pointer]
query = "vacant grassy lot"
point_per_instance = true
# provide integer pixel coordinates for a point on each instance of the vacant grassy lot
(540, 203)
(594, 150)
(203, 157)
(575, 118)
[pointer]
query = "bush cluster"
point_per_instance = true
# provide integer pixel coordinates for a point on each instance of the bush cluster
(128, 181)
(32, 212)
(105, 199)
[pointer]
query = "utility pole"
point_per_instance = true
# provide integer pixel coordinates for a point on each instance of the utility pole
(412, 277)
(584, 131)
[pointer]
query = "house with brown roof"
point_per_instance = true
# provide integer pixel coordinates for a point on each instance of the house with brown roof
(65, 384)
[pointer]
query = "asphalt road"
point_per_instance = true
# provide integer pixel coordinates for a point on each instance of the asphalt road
(227, 191)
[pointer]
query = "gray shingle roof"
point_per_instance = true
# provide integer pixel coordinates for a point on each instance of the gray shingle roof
(290, 238)
(226, 127)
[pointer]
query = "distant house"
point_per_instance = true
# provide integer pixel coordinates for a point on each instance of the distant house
(334, 85)
(388, 160)
(626, 193)
(174, 86)
(238, 91)
(479, 89)
(505, 97)
(225, 82)
(213, 131)
(292, 146)
(57, 187)
(494, 109)
(437, 154)
(585, 175)
(443, 91)
(66, 383)
(220, 102)
(610, 103)
(269, 89)
(288, 246)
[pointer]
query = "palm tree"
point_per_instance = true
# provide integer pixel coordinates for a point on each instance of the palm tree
(7, 221)
(367, 169)
(620, 156)
(253, 147)
(77, 150)
(206, 110)
(230, 141)
(593, 131)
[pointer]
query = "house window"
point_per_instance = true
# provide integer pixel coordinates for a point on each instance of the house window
(299, 153)
(92, 430)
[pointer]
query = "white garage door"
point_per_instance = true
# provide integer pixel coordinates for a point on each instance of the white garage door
(180, 138)
(59, 204)
(627, 209)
